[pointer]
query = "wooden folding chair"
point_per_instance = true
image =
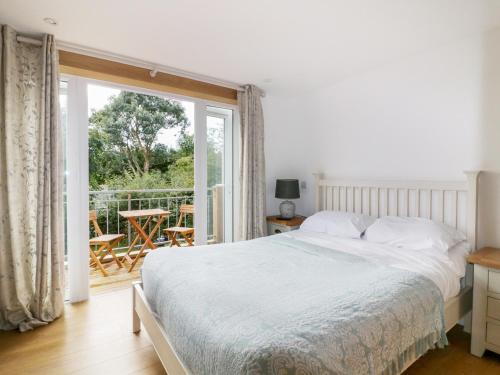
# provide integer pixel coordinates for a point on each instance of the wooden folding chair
(104, 244)
(186, 232)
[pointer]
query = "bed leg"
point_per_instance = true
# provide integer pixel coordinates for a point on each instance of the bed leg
(468, 322)
(136, 321)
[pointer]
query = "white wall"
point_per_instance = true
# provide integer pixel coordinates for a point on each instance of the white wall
(427, 116)
(287, 135)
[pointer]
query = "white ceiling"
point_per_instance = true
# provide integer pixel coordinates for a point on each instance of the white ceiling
(299, 45)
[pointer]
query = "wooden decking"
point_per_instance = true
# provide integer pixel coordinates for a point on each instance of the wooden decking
(118, 278)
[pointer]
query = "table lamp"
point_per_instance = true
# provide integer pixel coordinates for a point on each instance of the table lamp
(287, 189)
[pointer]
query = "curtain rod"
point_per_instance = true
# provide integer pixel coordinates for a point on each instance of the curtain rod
(25, 39)
(106, 55)
(155, 69)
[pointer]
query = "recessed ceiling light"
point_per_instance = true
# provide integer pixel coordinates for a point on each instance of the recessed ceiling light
(50, 21)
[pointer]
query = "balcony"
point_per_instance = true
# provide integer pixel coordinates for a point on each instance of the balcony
(108, 204)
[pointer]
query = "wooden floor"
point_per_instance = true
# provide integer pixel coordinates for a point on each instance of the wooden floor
(94, 338)
(455, 359)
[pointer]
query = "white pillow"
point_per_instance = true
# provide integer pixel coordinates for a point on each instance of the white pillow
(458, 255)
(338, 223)
(413, 233)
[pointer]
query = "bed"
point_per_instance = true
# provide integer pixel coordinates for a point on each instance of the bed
(266, 305)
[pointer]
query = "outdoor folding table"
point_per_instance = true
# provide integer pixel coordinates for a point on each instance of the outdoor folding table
(132, 217)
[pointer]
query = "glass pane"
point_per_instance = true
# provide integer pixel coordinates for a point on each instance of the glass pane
(215, 178)
(219, 178)
(141, 156)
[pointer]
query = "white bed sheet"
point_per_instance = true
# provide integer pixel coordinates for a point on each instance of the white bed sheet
(436, 266)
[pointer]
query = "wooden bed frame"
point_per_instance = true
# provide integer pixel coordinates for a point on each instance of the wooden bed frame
(454, 203)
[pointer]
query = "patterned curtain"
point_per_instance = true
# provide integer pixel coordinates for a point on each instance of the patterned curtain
(252, 165)
(31, 184)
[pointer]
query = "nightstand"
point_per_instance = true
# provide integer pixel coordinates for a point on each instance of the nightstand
(276, 225)
(486, 301)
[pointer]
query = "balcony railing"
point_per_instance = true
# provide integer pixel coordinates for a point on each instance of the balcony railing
(108, 204)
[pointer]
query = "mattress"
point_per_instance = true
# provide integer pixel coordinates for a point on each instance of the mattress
(296, 303)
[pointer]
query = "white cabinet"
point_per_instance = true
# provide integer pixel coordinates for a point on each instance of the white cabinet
(486, 310)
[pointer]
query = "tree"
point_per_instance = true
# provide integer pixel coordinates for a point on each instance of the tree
(185, 145)
(128, 181)
(104, 161)
(215, 156)
(181, 173)
(131, 124)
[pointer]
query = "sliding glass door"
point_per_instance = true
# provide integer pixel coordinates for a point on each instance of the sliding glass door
(219, 174)
(63, 116)
(115, 164)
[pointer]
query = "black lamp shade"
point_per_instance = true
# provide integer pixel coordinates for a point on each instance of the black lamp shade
(287, 189)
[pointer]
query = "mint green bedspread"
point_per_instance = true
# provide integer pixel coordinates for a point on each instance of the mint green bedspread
(277, 305)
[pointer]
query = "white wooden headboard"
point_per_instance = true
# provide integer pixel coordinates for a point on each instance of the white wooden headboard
(450, 202)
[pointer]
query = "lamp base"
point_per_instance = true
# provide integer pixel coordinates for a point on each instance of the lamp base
(287, 210)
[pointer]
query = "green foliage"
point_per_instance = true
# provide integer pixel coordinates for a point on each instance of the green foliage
(162, 157)
(185, 145)
(130, 181)
(104, 161)
(181, 173)
(130, 125)
(215, 155)
(125, 154)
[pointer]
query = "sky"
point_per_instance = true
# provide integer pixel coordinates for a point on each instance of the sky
(98, 97)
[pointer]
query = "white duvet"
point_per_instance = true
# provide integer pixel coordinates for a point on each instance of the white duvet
(444, 269)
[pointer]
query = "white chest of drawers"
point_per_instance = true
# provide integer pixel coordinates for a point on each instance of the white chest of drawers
(486, 301)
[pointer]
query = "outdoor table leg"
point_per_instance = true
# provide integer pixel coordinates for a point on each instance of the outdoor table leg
(127, 256)
(147, 239)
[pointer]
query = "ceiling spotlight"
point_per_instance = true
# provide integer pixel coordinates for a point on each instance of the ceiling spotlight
(50, 21)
